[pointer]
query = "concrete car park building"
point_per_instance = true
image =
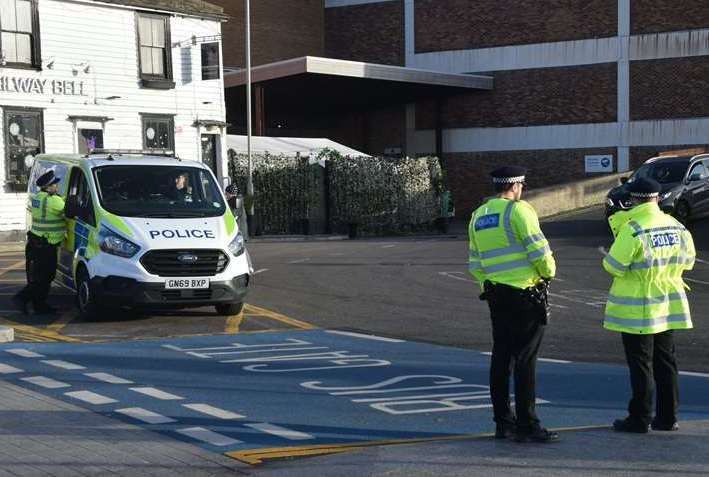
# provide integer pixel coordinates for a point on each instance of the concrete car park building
(129, 74)
(578, 87)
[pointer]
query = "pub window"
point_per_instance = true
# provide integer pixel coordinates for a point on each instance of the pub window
(155, 56)
(24, 136)
(158, 132)
(19, 33)
(210, 61)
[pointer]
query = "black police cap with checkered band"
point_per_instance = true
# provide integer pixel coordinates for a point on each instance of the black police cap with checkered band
(508, 175)
(644, 188)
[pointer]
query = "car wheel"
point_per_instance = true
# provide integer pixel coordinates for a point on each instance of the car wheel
(85, 299)
(228, 309)
(682, 211)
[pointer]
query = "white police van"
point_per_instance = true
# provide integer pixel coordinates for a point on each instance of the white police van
(146, 229)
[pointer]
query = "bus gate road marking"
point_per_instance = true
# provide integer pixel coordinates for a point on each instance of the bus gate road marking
(271, 390)
(90, 397)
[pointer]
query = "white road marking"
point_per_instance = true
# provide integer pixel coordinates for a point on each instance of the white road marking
(388, 246)
(144, 415)
(300, 261)
(157, 394)
(553, 305)
(549, 360)
(363, 336)
(261, 271)
(47, 383)
(702, 261)
(280, 431)
(454, 276)
(210, 437)
(690, 373)
(62, 364)
(696, 281)
(213, 411)
(7, 369)
(25, 353)
(108, 378)
(89, 397)
(603, 250)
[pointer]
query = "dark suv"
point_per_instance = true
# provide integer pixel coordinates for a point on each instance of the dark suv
(684, 181)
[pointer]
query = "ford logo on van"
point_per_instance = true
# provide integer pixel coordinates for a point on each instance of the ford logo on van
(187, 258)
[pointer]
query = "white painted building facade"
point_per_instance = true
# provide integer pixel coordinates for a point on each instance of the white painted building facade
(82, 74)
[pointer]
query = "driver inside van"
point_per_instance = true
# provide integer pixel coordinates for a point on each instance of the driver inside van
(179, 189)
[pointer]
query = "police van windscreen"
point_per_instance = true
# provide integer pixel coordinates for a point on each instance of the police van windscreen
(158, 191)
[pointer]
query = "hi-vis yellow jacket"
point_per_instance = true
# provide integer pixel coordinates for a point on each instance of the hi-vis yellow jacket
(48, 217)
(507, 245)
(647, 259)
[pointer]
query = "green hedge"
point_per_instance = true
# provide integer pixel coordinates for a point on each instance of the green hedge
(379, 195)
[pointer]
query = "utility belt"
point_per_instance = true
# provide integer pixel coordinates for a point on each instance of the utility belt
(36, 241)
(534, 299)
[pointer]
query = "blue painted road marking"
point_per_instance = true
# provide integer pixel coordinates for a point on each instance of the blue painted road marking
(241, 392)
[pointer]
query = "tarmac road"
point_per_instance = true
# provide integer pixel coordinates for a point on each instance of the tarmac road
(419, 289)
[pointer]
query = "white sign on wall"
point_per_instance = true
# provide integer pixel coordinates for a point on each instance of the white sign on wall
(599, 163)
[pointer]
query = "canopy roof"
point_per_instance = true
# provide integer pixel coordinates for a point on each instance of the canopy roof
(288, 145)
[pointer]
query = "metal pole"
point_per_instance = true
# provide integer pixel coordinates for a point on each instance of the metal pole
(250, 179)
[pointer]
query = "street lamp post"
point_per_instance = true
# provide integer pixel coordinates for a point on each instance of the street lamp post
(250, 178)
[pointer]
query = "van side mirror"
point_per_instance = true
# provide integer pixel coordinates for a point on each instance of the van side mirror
(71, 209)
(624, 180)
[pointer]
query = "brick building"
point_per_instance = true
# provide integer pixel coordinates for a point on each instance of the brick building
(572, 78)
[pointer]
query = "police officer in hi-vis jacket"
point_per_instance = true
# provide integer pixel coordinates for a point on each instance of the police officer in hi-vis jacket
(647, 302)
(512, 261)
(43, 239)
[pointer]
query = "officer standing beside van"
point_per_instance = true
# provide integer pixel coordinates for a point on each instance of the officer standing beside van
(43, 239)
(647, 301)
(512, 261)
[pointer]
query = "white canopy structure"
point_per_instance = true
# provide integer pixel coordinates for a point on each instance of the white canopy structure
(288, 146)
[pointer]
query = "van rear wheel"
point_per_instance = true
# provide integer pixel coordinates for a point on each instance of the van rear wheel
(85, 299)
(228, 309)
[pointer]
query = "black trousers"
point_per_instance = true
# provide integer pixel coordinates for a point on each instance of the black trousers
(41, 268)
(517, 333)
(652, 364)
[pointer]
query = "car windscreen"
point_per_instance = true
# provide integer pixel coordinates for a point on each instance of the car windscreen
(666, 172)
(158, 191)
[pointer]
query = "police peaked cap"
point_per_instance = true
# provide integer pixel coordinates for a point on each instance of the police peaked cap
(47, 179)
(644, 188)
(508, 175)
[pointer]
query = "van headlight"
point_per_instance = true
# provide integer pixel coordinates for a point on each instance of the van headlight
(112, 243)
(236, 247)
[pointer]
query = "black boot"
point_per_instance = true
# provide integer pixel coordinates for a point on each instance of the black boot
(20, 303)
(538, 434)
(630, 425)
(663, 426)
(45, 309)
(504, 430)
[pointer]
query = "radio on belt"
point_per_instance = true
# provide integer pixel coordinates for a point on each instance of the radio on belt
(151, 230)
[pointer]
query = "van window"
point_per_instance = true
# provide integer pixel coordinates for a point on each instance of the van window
(40, 167)
(159, 191)
(79, 188)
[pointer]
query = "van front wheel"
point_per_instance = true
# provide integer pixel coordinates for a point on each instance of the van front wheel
(228, 309)
(85, 300)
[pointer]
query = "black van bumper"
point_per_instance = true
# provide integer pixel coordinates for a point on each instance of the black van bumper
(114, 291)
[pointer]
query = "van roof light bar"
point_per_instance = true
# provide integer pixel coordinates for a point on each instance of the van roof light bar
(144, 152)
